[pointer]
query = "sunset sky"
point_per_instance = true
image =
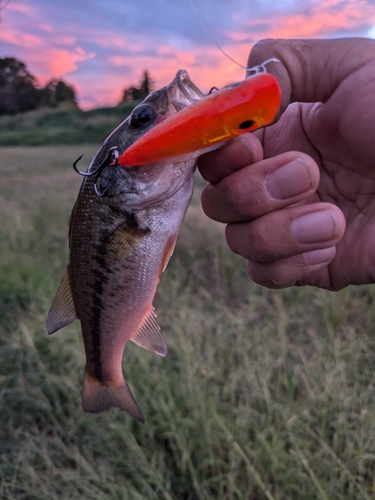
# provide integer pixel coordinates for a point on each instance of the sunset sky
(102, 46)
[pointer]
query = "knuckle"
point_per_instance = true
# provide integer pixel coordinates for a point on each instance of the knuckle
(262, 247)
(228, 191)
(262, 47)
(262, 274)
(252, 242)
(255, 273)
(282, 273)
(231, 235)
(244, 196)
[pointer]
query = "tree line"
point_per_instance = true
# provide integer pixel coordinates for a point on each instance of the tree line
(20, 91)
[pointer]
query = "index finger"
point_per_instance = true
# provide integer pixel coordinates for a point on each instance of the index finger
(235, 155)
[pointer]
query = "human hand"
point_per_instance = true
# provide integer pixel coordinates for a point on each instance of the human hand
(299, 196)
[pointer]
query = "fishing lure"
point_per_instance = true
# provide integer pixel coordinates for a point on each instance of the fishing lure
(240, 108)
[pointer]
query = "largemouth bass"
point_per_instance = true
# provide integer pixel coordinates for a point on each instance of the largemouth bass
(123, 230)
(125, 222)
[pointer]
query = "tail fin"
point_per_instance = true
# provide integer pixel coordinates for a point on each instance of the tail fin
(100, 396)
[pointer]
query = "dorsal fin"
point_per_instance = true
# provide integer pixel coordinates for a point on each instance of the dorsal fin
(148, 335)
(62, 311)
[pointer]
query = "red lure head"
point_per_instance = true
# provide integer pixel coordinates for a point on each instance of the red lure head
(218, 117)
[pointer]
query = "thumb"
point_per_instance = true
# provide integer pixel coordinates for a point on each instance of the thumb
(311, 70)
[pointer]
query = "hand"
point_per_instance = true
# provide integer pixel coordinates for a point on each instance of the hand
(299, 196)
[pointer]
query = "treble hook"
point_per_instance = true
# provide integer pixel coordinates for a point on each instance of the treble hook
(99, 193)
(110, 161)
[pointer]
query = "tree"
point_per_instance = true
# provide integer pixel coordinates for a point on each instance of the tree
(147, 84)
(57, 92)
(18, 87)
(139, 93)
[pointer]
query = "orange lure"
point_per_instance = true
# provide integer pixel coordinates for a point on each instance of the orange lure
(220, 116)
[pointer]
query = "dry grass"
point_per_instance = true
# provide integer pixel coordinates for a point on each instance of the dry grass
(263, 394)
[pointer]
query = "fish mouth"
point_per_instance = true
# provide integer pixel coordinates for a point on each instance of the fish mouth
(145, 187)
(140, 186)
(183, 92)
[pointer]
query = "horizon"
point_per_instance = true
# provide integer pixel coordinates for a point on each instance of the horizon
(100, 49)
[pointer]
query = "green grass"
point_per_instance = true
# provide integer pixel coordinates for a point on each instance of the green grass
(61, 126)
(262, 395)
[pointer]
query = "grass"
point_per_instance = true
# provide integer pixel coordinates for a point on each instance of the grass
(263, 394)
(61, 126)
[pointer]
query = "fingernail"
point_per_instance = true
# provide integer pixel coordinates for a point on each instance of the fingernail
(322, 256)
(290, 180)
(315, 227)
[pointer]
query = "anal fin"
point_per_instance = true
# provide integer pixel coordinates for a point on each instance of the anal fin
(148, 335)
(62, 310)
(101, 396)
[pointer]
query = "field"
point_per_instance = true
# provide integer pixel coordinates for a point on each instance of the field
(61, 126)
(263, 394)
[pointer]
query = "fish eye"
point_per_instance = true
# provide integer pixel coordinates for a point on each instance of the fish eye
(142, 115)
(246, 124)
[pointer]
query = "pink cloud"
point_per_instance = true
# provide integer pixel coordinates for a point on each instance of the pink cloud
(108, 39)
(120, 60)
(98, 94)
(323, 19)
(19, 7)
(44, 61)
(18, 38)
(53, 50)
(47, 28)
(57, 62)
(114, 41)
(65, 40)
(108, 90)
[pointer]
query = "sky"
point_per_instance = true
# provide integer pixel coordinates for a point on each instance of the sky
(103, 46)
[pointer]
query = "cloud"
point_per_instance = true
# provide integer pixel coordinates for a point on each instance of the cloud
(56, 63)
(21, 39)
(103, 47)
(320, 19)
(20, 7)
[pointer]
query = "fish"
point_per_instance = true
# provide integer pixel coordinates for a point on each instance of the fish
(122, 232)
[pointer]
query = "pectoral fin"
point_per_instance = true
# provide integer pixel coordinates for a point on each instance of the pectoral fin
(169, 248)
(148, 335)
(62, 311)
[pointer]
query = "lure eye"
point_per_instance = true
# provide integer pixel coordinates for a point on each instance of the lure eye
(246, 124)
(142, 115)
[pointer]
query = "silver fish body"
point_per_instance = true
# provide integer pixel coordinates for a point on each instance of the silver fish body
(120, 243)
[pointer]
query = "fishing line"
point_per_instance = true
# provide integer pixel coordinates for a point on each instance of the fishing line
(212, 38)
(255, 69)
